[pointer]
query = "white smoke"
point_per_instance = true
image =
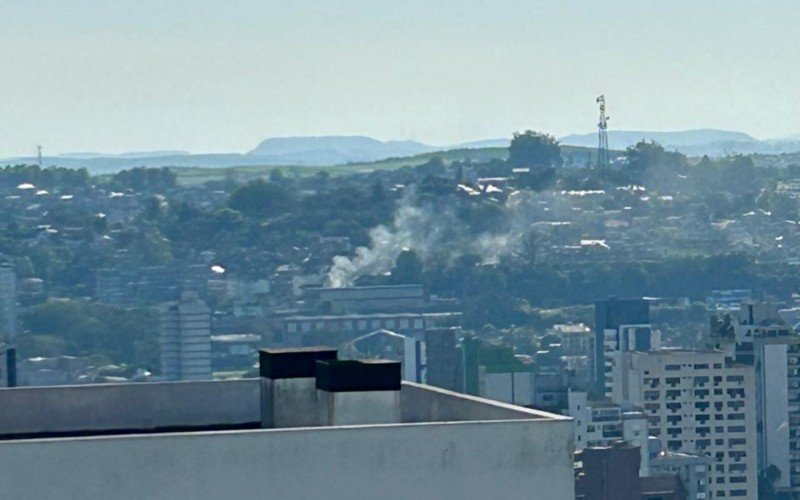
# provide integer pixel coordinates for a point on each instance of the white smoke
(408, 231)
(430, 232)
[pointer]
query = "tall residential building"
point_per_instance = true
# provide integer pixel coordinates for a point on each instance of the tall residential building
(186, 339)
(620, 325)
(8, 302)
(8, 366)
(759, 337)
(603, 423)
(697, 401)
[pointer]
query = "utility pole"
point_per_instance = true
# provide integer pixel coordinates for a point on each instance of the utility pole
(602, 133)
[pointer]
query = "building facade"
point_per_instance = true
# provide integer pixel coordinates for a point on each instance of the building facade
(186, 339)
(8, 302)
(620, 325)
(601, 424)
(696, 401)
(757, 336)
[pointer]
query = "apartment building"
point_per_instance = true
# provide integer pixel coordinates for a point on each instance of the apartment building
(186, 339)
(698, 402)
(8, 366)
(757, 336)
(603, 423)
(621, 325)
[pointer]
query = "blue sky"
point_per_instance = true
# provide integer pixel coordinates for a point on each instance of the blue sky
(90, 75)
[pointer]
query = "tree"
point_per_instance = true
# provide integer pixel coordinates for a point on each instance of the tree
(260, 199)
(407, 269)
(535, 150)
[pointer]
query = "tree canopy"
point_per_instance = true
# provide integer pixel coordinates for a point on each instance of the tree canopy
(535, 150)
(260, 199)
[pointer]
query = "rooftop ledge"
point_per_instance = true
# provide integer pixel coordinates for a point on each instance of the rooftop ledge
(62, 412)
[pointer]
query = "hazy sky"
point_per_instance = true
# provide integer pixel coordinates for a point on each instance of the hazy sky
(91, 75)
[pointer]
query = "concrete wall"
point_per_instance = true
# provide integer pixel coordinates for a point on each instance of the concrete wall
(128, 406)
(529, 459)
(424, 403)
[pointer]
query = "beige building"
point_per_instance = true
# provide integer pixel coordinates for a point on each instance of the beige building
(696, 402)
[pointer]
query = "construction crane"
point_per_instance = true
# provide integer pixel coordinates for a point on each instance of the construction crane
(602, 133)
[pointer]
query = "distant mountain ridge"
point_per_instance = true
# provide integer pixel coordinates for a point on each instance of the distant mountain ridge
(621, 139)
(332, 150)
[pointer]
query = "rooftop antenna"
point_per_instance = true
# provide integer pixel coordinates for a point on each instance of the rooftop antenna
(39, 155)
(602, 133)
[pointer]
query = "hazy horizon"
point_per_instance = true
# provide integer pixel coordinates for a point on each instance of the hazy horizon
(206, 76)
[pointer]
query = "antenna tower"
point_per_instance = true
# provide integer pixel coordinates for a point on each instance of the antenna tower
(602, 133)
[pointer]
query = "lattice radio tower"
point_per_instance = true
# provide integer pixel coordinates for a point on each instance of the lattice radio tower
(602, 133)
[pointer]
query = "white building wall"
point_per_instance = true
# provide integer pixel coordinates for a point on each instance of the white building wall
(444, 461)
(508, 387)
(775, 392)
(186, 339)
(8, 302)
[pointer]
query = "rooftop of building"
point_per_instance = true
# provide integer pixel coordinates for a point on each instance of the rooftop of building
(89, 411)
(365, 288)
(652, 486)
(676, 455)
(333, 317)
(681, 350)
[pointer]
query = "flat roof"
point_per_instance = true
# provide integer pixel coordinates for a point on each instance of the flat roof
(133, 409)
